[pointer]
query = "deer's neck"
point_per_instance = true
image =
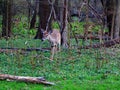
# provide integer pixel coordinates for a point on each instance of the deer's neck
(50, 38)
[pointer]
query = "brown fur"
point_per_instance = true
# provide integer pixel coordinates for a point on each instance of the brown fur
(54, 37)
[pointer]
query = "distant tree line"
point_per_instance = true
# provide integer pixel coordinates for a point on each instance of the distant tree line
(59, 10)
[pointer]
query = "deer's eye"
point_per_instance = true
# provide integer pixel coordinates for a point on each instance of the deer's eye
(45, 34)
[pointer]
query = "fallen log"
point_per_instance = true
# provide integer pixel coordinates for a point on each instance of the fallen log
(27, 79)
(91, 37)
(23, 50)
(26, 49)
(104, 44)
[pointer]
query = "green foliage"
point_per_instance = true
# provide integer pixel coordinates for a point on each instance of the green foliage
(22, 28)
(24, 32)
(69, 70)
(98, 27)
(55, 25)
(19, 86)
(32, 32)
(77, 27)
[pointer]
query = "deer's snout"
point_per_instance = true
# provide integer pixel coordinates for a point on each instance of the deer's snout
(42, 39)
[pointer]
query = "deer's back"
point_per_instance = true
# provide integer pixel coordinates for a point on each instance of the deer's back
(55, 36)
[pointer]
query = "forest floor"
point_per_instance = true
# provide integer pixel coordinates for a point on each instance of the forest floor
(71, 69)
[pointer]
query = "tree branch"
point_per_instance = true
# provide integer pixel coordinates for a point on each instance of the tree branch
(38, 80)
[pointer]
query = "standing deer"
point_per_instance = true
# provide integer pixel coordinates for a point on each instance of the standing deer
(54, 38)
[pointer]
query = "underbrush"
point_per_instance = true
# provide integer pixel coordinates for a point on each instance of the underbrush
(71, 69)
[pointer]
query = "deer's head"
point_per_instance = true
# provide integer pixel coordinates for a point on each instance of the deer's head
(45, 34)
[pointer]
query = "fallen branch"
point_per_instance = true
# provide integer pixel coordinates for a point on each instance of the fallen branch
(38, 80)
(8, 49)
(91, 37)
(104, 44)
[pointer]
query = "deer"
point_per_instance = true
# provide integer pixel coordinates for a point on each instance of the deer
(54, 37)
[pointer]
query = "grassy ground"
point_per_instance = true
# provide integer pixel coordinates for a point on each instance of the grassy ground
(71, 69)
(89, 70)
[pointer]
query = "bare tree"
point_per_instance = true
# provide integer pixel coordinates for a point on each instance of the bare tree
(33, 20)
(113, 15)
(7, 18)
(117, 20)
(64, 22)
(44, 12)
(109, 9)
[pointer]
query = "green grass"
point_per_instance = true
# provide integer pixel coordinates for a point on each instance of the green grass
(4, 85)
(71, 69)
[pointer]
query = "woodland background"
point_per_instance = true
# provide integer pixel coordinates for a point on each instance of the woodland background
(90, 31)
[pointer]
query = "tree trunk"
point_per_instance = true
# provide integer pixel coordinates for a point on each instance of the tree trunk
(57, 9)
(7, 18)
(33, 20)
(117, 21)
(29, 13)
(64, 23)
(44, 13)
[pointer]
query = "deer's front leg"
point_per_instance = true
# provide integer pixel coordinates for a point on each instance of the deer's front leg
(53, 51)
